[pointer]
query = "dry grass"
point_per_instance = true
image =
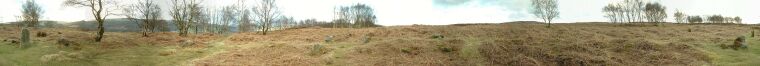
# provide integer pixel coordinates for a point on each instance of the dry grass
(508, 44)
(494, 44)
(117, 48)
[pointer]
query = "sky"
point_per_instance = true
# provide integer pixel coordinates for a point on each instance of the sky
(430, 12)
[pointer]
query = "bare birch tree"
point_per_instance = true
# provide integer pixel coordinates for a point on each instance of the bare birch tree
(545, 10)
(266, 11)
(99, 9)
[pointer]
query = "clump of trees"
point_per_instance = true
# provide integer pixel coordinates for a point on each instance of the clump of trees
(724, 19)
(545, 10)
(358, 15)
(715, 19)
(694, 19)
(147, 15)
(635, 11)
(655, 13)
(185, 13)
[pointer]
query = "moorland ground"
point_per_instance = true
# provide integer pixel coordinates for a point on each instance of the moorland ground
(520, 44)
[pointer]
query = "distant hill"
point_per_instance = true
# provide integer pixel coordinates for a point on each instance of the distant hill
(115, 25)
(42, 23)
(124, 25)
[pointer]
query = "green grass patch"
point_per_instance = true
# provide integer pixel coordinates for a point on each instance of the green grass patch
(49, 54)
(471, 52)
(730, 57)
(337, 55)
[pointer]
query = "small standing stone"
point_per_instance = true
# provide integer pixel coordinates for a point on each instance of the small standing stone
(329, 38)
(739, 43)
(753, 33)
(366, 39)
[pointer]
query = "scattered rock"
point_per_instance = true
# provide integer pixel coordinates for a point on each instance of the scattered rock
(329, 38)
(61, 56)
(366, 39)
(185, 43)
(166, 53)
(689, 30)
(50, 57)
(66, 43)
(42, 34)
(739, 43)
(15, 42)
(445, 48)
(270, 45)
(437, 36)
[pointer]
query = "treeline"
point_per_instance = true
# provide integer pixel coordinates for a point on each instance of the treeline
(635, 11)
(639, 11)
(192, 17)
(714, 19)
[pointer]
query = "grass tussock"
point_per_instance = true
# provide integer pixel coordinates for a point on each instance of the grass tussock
(494, 44)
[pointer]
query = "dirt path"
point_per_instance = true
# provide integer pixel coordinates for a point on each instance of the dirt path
(215, 47)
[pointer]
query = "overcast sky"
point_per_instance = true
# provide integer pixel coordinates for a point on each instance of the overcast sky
(434, 12)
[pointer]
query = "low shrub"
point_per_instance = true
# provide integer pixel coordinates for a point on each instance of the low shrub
(317, 49)
(42, 34)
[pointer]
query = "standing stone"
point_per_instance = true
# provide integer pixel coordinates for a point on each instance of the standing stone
(753, 33)
(25, 40)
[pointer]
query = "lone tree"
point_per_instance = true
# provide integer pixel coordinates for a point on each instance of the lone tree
(266, 11)
(716, 19)
(98, 9)
(546, 10)
(244, 17)
(228, 17)
(31, 13)
(738, 20)
(680, 16)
